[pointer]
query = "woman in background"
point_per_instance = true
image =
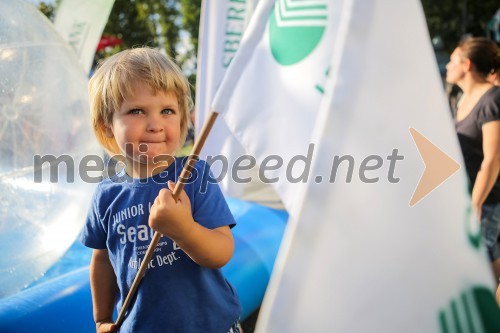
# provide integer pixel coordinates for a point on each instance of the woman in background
(477, 122)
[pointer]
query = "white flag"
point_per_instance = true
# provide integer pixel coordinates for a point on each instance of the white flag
(272, 90)
(358, 258)
(223, 23)
(80, 23)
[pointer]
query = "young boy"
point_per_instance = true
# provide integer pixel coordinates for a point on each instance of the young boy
(140, 104)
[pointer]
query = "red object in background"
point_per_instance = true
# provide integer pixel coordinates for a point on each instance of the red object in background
(108, 41)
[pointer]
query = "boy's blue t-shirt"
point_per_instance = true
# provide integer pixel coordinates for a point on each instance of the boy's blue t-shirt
(176, 294)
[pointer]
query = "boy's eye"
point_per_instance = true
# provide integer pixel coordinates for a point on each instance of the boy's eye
(167, 111)
(135, 111)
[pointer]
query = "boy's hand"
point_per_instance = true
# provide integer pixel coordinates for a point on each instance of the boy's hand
(170, 218)
(105, 327)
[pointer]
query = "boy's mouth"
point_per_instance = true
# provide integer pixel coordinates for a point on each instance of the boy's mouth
(144, 145)
(151, 142)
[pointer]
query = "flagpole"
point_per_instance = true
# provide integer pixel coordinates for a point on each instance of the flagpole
(183, 179)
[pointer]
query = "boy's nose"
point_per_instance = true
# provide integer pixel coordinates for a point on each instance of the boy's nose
(154, 125)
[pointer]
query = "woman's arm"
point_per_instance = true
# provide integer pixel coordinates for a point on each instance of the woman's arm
(104, 290)
(211, 248)
(490, 167)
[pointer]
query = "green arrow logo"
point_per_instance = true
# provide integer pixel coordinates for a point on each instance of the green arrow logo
(296, 28)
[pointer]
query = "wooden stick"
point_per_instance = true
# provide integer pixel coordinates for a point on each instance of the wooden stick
(183, 178)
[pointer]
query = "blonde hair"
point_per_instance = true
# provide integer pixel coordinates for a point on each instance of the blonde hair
(115, 78)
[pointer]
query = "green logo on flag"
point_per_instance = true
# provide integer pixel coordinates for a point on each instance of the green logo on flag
(296, 28)
(472, 228)
(475, 311)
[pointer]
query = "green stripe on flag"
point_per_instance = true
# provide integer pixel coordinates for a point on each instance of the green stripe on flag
(442, 322)
(468, 314)
(456, 319)
(301, 18)
(303, 5)
(306, 7)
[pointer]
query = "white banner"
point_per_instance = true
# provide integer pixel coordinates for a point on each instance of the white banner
(80, 23)
(358, 258)
(271, 93)
(223, 23)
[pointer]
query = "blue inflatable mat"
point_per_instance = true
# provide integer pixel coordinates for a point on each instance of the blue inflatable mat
(64, 303)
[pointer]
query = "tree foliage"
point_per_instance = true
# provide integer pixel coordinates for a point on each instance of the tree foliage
(190, 10)
(454, 19)
(48, 9)
(153, 23)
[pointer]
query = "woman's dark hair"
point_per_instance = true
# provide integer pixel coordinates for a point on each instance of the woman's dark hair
(483, 53)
